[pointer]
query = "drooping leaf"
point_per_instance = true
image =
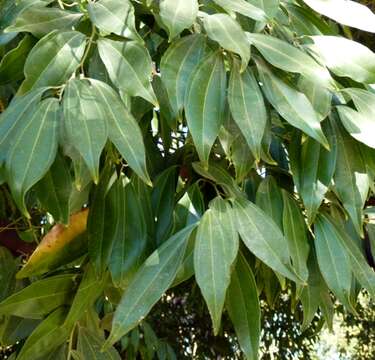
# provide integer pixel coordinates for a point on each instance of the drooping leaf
(247, 107)
(292, 105)
(129, 67)
(243, 7)
(178, 15)
(114, 16)
(39, 298)
(229, 34)
(263, 238)
(205, 102)
(151, 281)
(59, 246)
(53, 60)
(85, 122)
(243, 307)
(33, 151)
(214, 254)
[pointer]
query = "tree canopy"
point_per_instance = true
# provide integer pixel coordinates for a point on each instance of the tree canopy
(158, 147)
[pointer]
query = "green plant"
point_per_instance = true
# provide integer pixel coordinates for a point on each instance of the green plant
(146, 142)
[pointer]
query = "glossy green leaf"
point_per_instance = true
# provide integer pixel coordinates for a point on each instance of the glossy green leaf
(114, 16)
(247, 107)
(205, 102)
(333, 261)
(85, 122)
(11, 65)
(15, 329)
(291, 104)
(214, 254)
(263, 238)
(295, 232)
(346, 12)
(229, 34)
(33, 151)
(177, 65)
(129, 67)
(178, 15)
(47, 337)
(289, 58)
(53, 60)
(39, 298)
(345, 57)
(243, 307)
(151, 281)
(40, 21)
(243, 7)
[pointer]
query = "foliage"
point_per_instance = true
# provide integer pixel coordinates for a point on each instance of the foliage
(144, 143)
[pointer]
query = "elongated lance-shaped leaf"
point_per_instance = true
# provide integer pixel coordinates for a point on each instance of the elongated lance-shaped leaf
(333, 262)
(178, 15)
(205, 102)
(292, 105)
(346, 12)
(229, 34)
(123, 130)
(295, 232)
(345, 57)
(177, 65)
(361, 269)
(215, 251)
(114, 16)
(243, 7)
(243, 307)
(263, 238)
(85, 122)
(39, 298)
(247, 107)
(129, 66)
(351, 179)
(33, 151)
(53, 60)
(151, 281)
(289, 58)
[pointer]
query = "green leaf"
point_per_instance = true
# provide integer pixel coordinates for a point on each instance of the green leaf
(129, 66)
(333, 261)
(151, 281)
(114, 16)
(55, 189)
(263, 238)
(247, 107)
(123, 130)
(291, 104)
(12, 63)
(53, 60)
(47, 337)
(41, 20)
(130, 237)
(214, 254)
(345, 57)
(361, 270)
(205, 102)
(178, 15)
(289, 58)
(346, 12)
(229, 34)
(243, 7)
(15, 329)
(351, 179)
(90, 347)
(39, 298)
(8, 268)
(243, 307)
(177, 65)
(33, 150)
(295, 232)
(85, 122)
